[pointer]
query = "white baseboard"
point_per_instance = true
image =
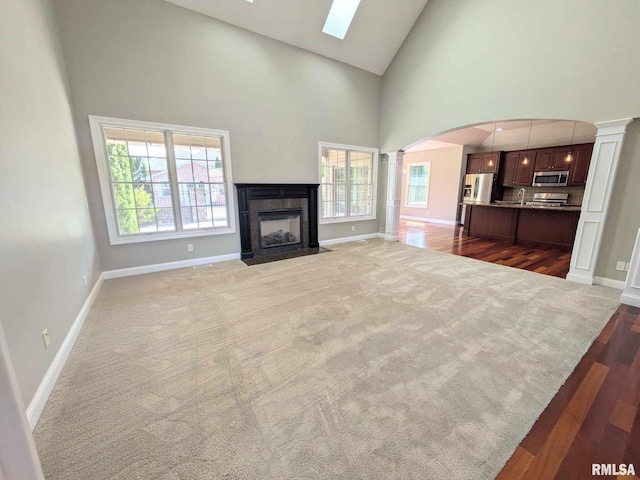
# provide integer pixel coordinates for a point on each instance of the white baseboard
(609, 282)
(580, 279)
(354, 238)
(160, 267)
(630, 299)
(391, 238)
(46, 386)
(428, 220)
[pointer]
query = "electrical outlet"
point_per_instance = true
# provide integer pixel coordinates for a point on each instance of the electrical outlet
(627, 267)
(353, 228)
(381, 230)
(46, 338)
(190, 247)
(621, 266)
(84, 278)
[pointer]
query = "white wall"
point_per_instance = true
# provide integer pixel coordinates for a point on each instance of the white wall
(151, 60)
(444, 183)
(46, 243)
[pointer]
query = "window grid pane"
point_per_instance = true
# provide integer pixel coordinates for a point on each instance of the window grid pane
(333, 183)
(418, 184)
(361, 169)
(201, 177)
(134, 174)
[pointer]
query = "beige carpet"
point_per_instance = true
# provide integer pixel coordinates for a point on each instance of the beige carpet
(377, 360)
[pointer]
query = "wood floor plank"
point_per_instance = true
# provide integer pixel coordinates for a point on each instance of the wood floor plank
(450, 239)
(623, 415)
(538, 435)
(550, 458)
(517, 466)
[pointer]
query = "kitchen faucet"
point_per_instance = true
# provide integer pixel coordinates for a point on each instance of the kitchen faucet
(522, 192)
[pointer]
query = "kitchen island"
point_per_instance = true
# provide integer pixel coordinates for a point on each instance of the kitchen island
(537, 225)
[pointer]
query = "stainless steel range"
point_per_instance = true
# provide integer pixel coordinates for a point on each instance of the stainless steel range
(549, 199)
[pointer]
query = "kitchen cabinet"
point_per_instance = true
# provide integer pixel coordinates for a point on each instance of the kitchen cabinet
(580, 166)
(488, 162)
(535, 226)
(553, 159)
(518, 168)
(474, 163)
(544, 160)
(561, 159)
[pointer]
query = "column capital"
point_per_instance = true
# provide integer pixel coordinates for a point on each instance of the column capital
(612, 127)
(396, 156)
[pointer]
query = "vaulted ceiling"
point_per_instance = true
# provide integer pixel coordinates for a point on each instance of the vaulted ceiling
(377, 32)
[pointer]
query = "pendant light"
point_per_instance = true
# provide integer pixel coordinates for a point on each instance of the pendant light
(525, 161)
(569, 157)
(493, 142)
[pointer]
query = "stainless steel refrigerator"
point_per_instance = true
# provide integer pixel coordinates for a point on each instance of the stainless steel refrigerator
(477, 189)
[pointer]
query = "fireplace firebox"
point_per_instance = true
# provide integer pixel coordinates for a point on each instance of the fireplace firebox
(280, 230)
(279, 219)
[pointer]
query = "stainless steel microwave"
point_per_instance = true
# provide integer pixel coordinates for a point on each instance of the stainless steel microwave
(550, 179)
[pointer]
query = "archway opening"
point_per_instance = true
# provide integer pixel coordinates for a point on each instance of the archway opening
(515, 187)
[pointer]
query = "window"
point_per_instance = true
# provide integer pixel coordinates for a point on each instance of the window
(417, 193)
(162, 181)
(347, 183)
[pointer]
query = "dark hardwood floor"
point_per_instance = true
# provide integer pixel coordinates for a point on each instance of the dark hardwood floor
(594, 417)
(450, 239)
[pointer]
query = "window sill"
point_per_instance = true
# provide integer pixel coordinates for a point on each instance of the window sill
(415, 206)
(328, 221)
(156, 237)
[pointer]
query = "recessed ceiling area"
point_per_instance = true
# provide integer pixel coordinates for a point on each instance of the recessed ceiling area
(378, 29)
(513, 135)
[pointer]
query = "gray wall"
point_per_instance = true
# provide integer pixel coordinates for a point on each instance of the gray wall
(151, 60)
(467, 62)
(46, 243)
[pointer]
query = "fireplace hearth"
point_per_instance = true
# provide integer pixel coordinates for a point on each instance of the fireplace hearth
(277, 220)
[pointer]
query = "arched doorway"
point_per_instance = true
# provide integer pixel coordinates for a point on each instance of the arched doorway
(608, 138)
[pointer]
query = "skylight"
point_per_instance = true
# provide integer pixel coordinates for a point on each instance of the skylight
(340, 17)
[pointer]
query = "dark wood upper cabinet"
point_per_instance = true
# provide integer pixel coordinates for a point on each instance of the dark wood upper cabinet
(518, 168)
(474, 163)
(483, 162)
(524, 173)
(490, 162)
(562, 158)
(580, 164)
(510, 168)
(544, 160)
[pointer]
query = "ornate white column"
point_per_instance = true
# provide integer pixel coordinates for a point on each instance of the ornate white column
(597, 195)
(394, 191)
(631, 294)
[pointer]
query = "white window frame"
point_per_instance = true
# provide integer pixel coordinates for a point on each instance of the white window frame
(97, 125)
(374, 180)
(427, 186)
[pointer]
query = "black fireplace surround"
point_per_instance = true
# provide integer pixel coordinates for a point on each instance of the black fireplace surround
(261, 202)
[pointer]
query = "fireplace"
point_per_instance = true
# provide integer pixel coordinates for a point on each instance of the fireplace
(280, 230)
(277, 220)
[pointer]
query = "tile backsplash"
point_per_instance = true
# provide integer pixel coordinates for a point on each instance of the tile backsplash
(575, 193)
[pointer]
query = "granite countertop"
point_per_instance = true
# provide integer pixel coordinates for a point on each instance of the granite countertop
(564, 208)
